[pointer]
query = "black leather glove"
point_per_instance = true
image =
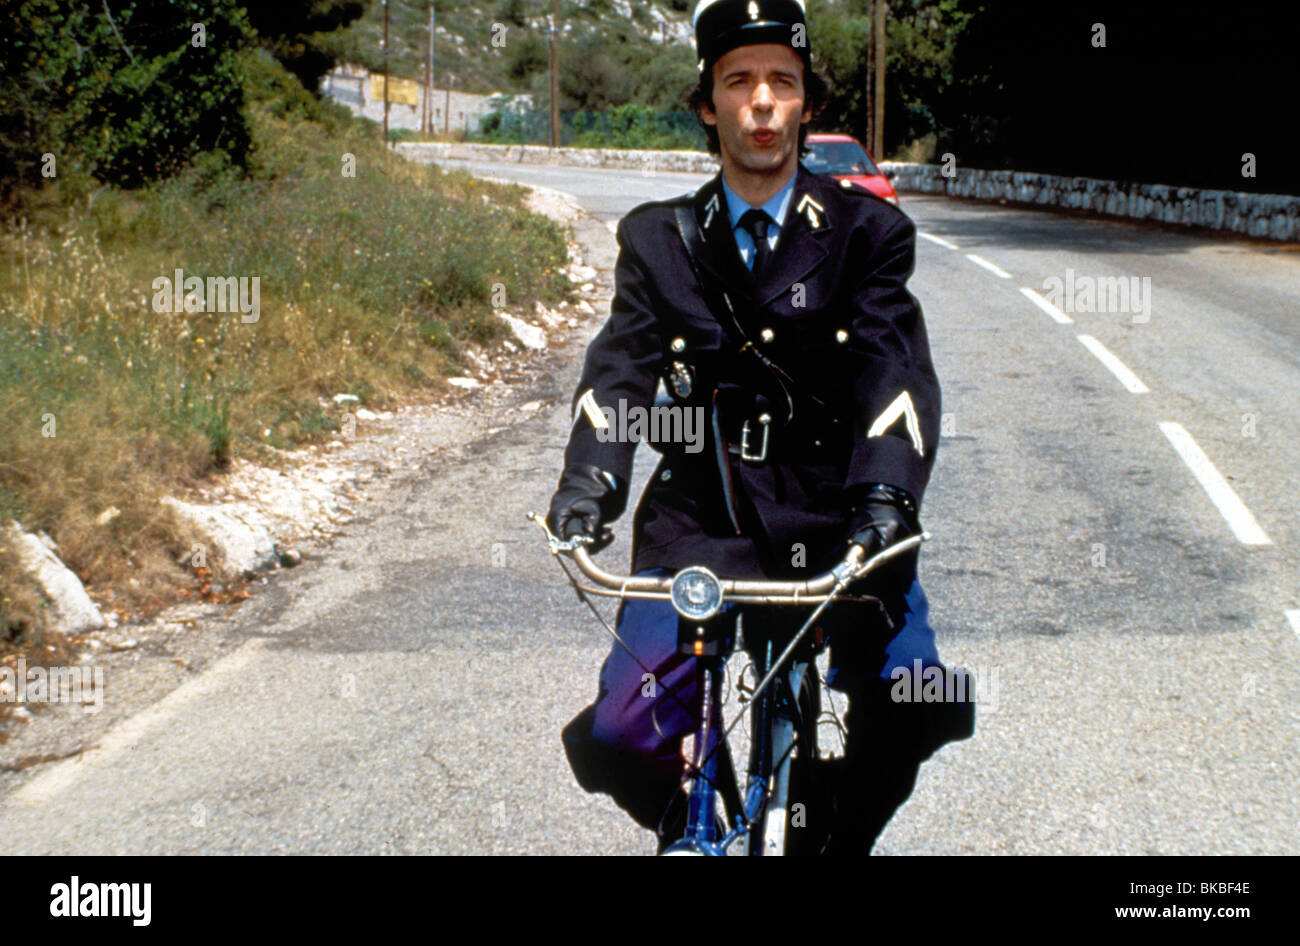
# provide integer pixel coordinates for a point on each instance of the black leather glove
(585, 501)
(880, 515)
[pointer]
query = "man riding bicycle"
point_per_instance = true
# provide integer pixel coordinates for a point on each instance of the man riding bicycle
(773, 302)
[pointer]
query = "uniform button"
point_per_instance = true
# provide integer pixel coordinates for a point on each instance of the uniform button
(817, 443)
(767, 335)
(679, 345)
(665, 476)
(841, 336)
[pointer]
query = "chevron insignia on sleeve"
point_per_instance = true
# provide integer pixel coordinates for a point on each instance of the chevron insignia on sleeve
(901, 406)
(587, 405)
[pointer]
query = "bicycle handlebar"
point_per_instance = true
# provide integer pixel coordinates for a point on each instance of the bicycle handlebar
(742, 591)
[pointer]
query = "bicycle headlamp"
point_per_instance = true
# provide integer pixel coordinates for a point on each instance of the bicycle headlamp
(696, 593)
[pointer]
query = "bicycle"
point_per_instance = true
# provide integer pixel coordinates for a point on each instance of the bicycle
(785, 702)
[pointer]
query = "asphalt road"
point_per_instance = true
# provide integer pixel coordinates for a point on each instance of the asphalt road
(1137, 640)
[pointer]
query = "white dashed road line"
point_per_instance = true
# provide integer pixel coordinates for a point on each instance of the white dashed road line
(981, 261)
(1117, 367)
(1223, 496)
(934, 239)
(128, 733)
(1046, 306)
(1294, 618)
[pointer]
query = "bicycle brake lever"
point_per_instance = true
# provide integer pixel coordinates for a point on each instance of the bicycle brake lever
(557, 545)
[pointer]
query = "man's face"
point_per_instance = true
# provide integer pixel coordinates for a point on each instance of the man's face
(759, 104)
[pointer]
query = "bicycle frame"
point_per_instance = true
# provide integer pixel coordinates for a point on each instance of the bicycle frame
(698, 595)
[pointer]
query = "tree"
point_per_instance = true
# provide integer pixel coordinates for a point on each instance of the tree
(922, 37)
(127, 95)
(301, 33)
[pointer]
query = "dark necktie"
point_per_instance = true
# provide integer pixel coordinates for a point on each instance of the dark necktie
(755, 222)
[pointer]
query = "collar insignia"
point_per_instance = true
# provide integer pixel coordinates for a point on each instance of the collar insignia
(711, 207)
(812, 210)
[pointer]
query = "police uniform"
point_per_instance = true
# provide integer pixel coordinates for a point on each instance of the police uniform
(823, 379)
(806, 380)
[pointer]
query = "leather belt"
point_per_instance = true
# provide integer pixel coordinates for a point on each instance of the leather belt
(760, 439)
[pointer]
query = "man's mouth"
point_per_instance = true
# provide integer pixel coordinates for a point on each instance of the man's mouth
(764, 137)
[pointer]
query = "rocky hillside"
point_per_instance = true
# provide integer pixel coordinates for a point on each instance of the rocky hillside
(612, 51)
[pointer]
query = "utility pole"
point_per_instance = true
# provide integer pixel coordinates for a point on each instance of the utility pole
(555, 78)
(426, 119)
(878, 112)
(868, 107)
(387, 96)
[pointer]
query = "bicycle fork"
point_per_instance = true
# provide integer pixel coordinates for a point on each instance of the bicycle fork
(701, 836)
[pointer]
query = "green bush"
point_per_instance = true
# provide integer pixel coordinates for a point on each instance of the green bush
(126, 99)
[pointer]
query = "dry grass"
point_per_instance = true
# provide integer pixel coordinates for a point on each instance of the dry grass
(369, 285)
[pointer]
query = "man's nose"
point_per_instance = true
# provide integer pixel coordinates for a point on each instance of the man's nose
(763, 99)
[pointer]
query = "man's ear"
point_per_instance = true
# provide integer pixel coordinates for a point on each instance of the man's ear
(707, 115)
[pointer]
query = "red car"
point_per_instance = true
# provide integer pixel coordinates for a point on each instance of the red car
(843, 158)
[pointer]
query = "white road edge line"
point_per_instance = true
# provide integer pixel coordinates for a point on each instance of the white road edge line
(1117, 367)
(1294, 618)
(1046, 306)
(981, 261)
(1223, 496)
(129, 732)
(934, 239)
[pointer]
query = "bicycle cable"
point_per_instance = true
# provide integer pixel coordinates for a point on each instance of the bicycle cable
(669, 691)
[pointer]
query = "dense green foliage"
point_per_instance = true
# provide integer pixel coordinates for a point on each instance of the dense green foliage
(123, 98)
(622, 126)
(130, 92)
(922, 37)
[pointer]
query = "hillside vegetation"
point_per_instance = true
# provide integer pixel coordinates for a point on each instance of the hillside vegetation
(374, 276)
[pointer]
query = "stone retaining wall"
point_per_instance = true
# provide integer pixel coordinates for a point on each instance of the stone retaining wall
(700, 162)
(1271, 216)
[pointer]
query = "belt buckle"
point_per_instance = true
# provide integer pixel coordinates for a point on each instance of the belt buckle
(765, 420)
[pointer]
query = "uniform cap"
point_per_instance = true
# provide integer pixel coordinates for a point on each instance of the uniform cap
(722, 25)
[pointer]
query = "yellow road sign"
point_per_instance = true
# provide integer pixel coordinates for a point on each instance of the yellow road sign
(401, 91)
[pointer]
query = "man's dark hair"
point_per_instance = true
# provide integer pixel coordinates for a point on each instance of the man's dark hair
(816, 93)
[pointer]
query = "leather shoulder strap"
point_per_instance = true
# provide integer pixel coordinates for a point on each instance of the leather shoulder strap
(725, 314)
(689, 229)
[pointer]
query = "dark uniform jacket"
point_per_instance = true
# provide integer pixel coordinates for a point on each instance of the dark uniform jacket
(821, 379)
